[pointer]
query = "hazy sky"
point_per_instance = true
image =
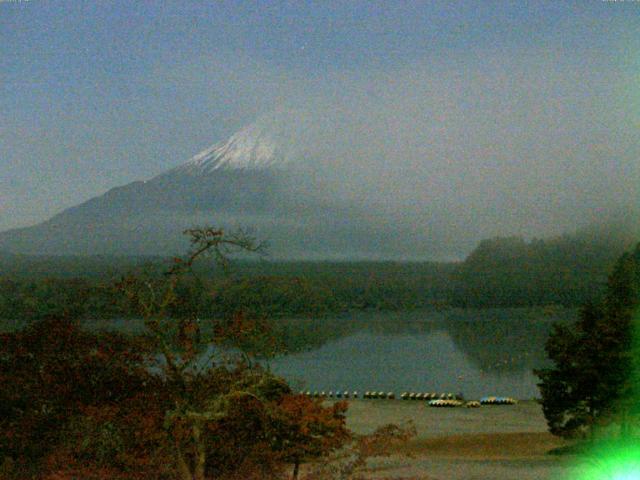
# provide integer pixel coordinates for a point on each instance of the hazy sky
(510, 116)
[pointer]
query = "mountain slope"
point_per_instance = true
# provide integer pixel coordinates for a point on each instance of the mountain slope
(260, 178)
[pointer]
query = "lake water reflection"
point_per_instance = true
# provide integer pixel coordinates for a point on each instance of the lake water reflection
(477, 353)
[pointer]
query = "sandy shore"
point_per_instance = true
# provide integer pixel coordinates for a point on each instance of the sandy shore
(491, 442)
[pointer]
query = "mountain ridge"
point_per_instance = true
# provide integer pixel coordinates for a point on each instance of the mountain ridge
(257, 179)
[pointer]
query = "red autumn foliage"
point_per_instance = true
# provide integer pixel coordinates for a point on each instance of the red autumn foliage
(82, 405)
(53, 372)
(239, 442)
(306, 430)
(250, 334)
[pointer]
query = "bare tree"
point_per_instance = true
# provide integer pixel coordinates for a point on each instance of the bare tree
(187, 350)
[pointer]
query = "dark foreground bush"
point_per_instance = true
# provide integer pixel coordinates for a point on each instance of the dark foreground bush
(84, 405)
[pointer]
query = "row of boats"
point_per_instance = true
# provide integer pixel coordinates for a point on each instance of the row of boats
(433, 399)
(473, 403)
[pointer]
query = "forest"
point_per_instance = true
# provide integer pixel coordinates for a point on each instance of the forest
(502, 272)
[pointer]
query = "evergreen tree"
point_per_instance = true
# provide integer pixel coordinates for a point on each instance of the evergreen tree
(593, 380)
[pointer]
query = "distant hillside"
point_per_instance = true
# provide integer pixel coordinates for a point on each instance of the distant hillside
(566, 270)
(16, 266)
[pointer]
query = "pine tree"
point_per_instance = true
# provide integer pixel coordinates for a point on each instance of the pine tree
(594, 377)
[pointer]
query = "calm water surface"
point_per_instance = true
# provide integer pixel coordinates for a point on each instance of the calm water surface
(477, 353)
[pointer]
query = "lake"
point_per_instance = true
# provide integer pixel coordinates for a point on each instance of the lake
(473, 352)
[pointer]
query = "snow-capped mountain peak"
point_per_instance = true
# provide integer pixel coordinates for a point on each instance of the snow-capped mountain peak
(269, 143)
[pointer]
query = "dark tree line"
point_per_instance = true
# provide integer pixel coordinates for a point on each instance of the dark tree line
(512, 272)
(502, 272)
(273, 295)
(594, 381)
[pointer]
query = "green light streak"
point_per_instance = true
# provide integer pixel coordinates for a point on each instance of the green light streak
(619, 458)
(612, 461)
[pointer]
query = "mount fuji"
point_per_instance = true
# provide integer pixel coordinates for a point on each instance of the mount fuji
(262, 178)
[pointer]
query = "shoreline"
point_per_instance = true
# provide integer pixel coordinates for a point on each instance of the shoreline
(497, 442)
